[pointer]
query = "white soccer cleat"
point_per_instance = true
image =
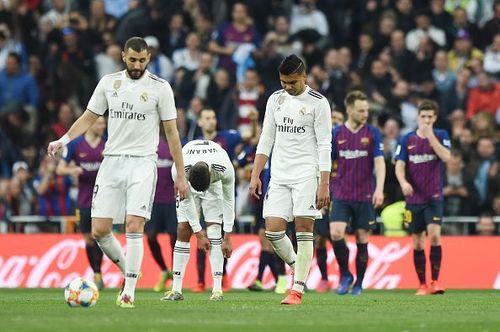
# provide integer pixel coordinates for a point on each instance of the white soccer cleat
(217, 296)
(172, 296)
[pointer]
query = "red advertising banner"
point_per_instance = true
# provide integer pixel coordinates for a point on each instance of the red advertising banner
(52, 260)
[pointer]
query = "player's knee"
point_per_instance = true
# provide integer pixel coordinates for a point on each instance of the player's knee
(135, 224)
(336, 234)
(89, 240)
(214, 232)
(320, 242)
(435, 239)
(184, 232)
(99, 233)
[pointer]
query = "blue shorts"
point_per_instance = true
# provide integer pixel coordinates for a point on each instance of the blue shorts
(418, 216)
(360, 215)
(322, 226)
(163, 219)
(85, 220)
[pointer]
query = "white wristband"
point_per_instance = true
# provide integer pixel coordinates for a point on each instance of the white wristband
(65, 140)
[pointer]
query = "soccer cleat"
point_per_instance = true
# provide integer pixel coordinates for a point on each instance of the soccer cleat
(217, 296)
(164, 276)
(323, 286)
(126, 302)
(226, 284)
(436, 288)
(356, 290)
(345, 283)
(199, 288)
(281, 285)
(98, 281)
(256, 286)
(422, 290)
(119, 297)
(293, 297)
(172, 296)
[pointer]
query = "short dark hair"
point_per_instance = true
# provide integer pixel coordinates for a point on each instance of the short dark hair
(428, 105)
(199, 176)
(292, 64)
(137, 44)
(15, 56)
(352, 96)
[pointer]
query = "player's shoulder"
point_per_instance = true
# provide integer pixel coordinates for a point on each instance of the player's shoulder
(409, 135)
(112, 77)
(155, 79)
(337, 129)
(374, 130)
(441, 132)
(313, 94)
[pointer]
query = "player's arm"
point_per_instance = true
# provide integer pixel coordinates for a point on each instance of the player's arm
(323, 132)
(379, 165)
(168, 115)
(441, 145)
(65, 165)
(78, 128)
(228, 202)
(401, 158)
(264, 148)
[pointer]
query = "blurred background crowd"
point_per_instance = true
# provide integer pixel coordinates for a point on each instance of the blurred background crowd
(223, 55)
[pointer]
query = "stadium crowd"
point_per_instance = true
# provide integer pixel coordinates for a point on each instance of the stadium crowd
(223, 55)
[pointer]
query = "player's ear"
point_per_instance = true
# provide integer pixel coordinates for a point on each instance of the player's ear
(123, 57)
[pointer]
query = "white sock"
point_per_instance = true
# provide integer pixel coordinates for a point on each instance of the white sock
(135, 252)
(113, 250)
(216, 257)
(181, 258)
(283, 247)
(304, 259)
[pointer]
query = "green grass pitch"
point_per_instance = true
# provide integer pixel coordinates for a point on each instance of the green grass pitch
(395, 310)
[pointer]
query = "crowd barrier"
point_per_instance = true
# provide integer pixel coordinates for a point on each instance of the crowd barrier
(52, 260)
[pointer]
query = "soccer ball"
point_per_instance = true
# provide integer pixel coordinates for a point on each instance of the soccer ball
(81, 293)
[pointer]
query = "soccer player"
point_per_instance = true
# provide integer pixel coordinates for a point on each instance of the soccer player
(322, 226)
(419, 166)
(163, 216)
(297, 129)
(211, 179)
(81, 159)
(136, 102)
(358, 150)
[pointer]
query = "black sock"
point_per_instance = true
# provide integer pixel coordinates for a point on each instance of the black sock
(342, 255)
(435, 258)
(419, 262)
(262, 264)
(361, 262)
(173, 239)
(98, 254)
(90, 251)
(224, 270)
(200, 265)
(154, 245)
(280, 265)
(271, 262)
(321, 259)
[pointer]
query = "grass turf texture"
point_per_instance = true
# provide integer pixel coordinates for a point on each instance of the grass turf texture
(396, 310)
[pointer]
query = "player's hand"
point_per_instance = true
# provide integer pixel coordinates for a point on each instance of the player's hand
(181, 187)
(54, 147)
(76, 171)
(378, 199)
(202, 241)
(322, 196)
(426, 130)
(255, 187)
(227, 247)
(407, 189)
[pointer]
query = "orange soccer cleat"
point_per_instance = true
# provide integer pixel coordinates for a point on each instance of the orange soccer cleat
(199, 288)
(422, 290)
(324, 286)
(293, 297)
(436, 288)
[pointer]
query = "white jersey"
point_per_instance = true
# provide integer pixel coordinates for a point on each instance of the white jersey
(135, 109)
(221, 173)
(298, 131)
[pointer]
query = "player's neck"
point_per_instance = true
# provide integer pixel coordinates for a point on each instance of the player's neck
(353, 127)
(210, 136)
(419, 134)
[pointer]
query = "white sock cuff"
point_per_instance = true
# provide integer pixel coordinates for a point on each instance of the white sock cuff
(133, 236)
(275, 236)
(181, 245)
(304, 236)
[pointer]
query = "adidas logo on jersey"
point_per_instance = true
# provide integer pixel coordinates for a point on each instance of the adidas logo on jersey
(115, 94)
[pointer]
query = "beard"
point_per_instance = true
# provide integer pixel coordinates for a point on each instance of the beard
(135, 74)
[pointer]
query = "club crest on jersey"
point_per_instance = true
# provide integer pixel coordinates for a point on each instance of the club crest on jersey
(302, 111)
(117, 84)
(281, 99)
(144, 96)
(365, 140)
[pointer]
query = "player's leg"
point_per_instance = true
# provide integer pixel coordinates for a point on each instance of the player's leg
(102, 232)
(339, 216)
(134, 233)
(201, 262)
(433, 214)
(364, 220)
(305, 250)
(322, 234)
(414, 219)
(94, 253)
(264, 260)
(214, 234)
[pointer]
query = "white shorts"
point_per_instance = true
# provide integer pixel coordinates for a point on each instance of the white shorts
(125, 185)
(287, 201)
(208, 202)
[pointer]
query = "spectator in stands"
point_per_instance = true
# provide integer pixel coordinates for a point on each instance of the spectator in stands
(492, 58)
(160, 64)
(267, 59)
(405, 15)
(203, 75)
(305, 16)
(378, 84)
(221, 95)
(483, 125)
(110, 61)
(65, 118)
(492, 27)
(441, 19)
(188, 57)
(402, 58)
(367, 53)
(485, 97)
(461, 91)
(17, 85)
(424, 28)
(99, 20)
(57, 12)
(445, 81)
(461, 23)
(463, 51)
(286, 44)
(485, 225)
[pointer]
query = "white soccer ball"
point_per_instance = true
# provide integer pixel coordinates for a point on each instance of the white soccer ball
(81, 293)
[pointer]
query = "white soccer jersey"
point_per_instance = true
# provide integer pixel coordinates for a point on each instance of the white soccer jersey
(298, 131)
(221, 173)
(135, 109)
